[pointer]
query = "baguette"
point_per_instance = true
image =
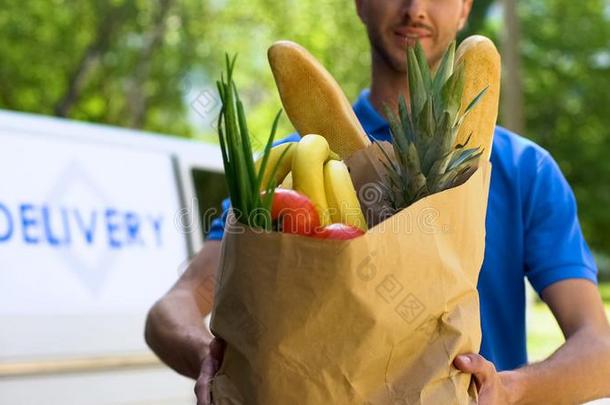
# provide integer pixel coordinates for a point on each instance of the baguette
(313, 100)
(482, 69)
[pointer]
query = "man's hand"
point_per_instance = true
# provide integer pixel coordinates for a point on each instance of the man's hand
(175, 328)
(494, 388)
(579, 371)
(209, 367)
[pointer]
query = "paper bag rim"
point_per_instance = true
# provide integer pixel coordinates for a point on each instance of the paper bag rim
(482, 170)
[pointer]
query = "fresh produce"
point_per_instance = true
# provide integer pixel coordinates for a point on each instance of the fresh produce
(295, 212)
(252, 185)
(312, 152)
(481, 69)
(343, 203)
(276, 283)
(313, 100)
(423, 137)
(338, 232)
(287, 183)
(280, 156)
(249, 205)
(319, 175)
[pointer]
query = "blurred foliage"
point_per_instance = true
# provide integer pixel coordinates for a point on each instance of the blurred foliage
(543, 333)
(604, 290)
(566, 66)
(152, 65)
(118, 62)
(603, 264)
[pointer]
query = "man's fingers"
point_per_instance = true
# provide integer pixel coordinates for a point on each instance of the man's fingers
(217, 349)
(202, 393)
(209, 368)
(202, 387)
(476, 365)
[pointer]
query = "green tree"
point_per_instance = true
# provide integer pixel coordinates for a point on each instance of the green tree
(118, 62)
(152, 65)
(566, 69)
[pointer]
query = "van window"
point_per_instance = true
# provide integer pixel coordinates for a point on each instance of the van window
(210, 190)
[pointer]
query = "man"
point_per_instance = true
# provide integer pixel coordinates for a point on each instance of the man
(532, 230)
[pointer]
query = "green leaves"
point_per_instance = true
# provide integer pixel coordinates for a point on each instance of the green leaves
(452, 91)
(420, 56)
(267, 151)
(445, 69)
(423, 136)
(417, 88)
(249, 205)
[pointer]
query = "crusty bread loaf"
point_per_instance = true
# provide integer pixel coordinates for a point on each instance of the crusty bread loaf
(313, 100)
(482, 69)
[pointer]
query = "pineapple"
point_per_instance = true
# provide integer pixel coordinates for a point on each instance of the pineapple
(426, 162)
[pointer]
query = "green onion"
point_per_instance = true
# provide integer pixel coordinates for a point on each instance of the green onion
(250, 206)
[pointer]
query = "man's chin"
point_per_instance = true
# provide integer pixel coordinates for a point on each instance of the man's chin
(400, 66)
(399, 60)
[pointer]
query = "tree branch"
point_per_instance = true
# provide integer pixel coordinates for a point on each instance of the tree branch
(137, 101)
(101, 43)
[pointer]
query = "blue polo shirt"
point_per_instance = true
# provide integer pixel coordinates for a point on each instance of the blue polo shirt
(532, 231)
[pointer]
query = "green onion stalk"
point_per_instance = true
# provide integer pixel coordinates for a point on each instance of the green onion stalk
(250, 200)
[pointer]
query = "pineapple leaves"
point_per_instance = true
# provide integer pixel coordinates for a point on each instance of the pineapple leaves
(476, 100)
(445, 69)
(464, 157)
(423, 136)
(423, 66)
(453, 90)
(463, 145)
(394, 168)
(403, 111)
(417, 89)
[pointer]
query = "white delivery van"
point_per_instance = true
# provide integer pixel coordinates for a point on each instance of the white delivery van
(96, 223)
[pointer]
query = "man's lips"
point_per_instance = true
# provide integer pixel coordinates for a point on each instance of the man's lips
(412, 33)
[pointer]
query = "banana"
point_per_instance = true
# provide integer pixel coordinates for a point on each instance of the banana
(311, 153)
(274, 156)
(342, 199)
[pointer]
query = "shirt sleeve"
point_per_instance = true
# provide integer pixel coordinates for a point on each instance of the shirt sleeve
(217, 227)
(555, 248)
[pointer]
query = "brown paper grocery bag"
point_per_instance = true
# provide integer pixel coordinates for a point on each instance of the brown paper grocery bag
(373, 320)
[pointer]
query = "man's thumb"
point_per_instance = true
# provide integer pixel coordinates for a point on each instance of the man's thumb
(476, 365)
(465, 363)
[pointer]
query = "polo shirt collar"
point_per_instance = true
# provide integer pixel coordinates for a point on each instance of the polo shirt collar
(373, 123)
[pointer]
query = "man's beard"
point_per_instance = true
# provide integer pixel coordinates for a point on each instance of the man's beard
(379, 51)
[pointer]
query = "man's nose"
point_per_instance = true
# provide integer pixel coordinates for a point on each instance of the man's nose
(415, 9)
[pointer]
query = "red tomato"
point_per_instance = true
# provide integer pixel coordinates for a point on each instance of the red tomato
(295, 211)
